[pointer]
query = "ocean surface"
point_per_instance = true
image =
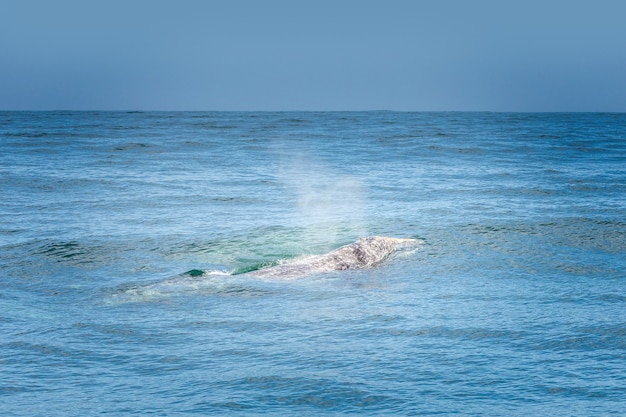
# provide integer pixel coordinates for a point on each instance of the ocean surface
(125, 238)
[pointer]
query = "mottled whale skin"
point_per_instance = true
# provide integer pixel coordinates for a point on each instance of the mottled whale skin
(366, 252)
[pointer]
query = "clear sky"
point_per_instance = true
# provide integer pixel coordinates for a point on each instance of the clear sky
(523, 55)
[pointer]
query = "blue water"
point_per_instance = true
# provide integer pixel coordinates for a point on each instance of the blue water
(515, 304)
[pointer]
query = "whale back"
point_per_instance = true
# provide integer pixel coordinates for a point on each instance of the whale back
(366, 252)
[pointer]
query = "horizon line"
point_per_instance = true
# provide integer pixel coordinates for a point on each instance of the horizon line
(303, 111)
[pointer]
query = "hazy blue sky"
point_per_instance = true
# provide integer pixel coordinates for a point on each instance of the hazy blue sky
(524, 55)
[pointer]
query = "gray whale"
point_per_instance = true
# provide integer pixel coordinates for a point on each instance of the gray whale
(366, 252)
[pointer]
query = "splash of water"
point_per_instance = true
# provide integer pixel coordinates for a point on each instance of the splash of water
(329, 206)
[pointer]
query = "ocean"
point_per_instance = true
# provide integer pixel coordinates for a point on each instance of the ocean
(125, 238)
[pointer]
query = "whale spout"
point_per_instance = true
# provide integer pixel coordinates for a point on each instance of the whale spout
(366, 252)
